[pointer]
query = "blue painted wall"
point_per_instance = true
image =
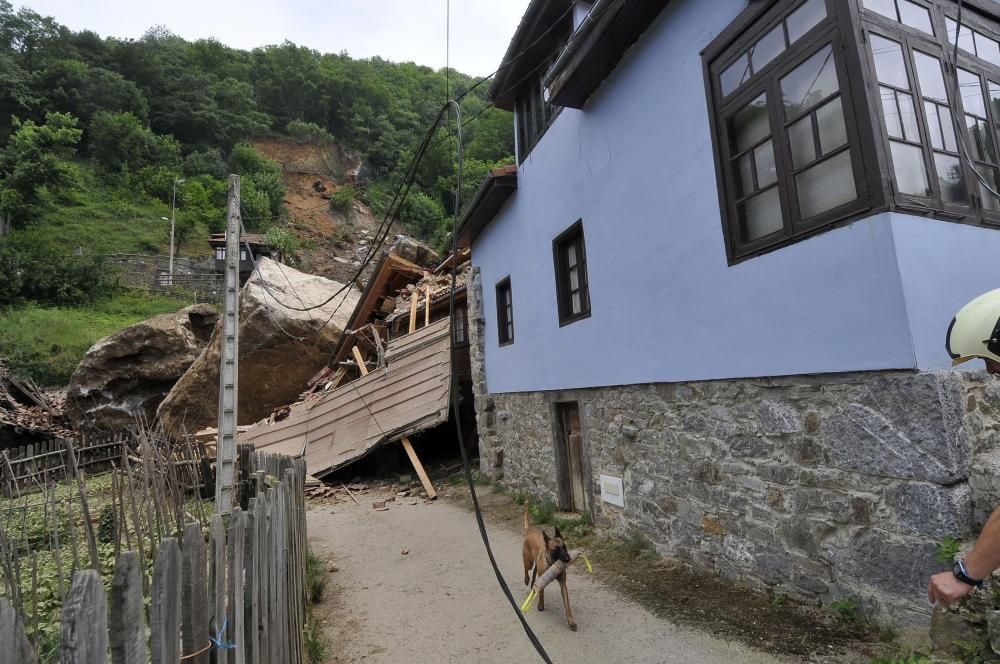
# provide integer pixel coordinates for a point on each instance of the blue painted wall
(636, 165)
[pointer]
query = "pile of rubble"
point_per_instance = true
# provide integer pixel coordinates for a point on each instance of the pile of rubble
(26, 409)
(438, 284)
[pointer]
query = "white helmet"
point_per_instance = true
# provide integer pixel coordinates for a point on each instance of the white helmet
(975, 330)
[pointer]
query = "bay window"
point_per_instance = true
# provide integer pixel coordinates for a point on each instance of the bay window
(826, 111)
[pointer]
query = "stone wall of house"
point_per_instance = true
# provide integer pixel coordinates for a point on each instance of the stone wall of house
(820, 486)
(490, 452)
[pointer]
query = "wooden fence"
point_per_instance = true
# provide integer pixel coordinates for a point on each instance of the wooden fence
(237, 597)
(54, 460)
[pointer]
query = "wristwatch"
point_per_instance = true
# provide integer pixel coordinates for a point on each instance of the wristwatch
(961, 573)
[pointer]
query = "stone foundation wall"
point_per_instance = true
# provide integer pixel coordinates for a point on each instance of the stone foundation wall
(822, 486)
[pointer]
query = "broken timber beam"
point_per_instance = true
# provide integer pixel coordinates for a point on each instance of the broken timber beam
(427, 308)
(417, 466)
(360, 360)
(413, 310)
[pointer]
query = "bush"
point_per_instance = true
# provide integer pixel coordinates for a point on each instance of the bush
(422, 214)
(284, 241)
(342, 200)
(120, 141)
(308, 132)
(44, 275)
(206, 162)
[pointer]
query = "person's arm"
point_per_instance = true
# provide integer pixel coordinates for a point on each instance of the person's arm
(945, 589)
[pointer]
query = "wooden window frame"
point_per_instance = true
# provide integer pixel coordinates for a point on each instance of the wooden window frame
(938, 46)
(849, 25)
(505, 312)
(836, 31)
(563, 291)
(533, 116)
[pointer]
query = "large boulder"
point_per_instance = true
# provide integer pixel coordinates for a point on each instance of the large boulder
(127, 375)
(280, 348)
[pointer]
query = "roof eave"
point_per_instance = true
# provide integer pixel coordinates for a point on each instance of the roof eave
(594, 50)
(489, 198)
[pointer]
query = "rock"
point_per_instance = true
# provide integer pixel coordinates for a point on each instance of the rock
(280, 348)
(932, 510)
(128, 374)
(414, 251)
(333, 568)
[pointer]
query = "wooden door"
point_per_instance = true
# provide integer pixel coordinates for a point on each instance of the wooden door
(573, 480)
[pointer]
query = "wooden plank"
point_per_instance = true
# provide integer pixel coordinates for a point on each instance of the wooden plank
(273, 633)
(194, 597)
(16, 648)
(84, 629)
(251, 655)
(128, 623)
(165, 609)
(427, 308)
(235, 584)
(362, 367)
(217, 578)
(417, 466)
(413, 310)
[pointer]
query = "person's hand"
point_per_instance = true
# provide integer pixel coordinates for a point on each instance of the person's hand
(945, 589)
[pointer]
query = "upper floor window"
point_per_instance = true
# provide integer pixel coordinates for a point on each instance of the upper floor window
(938, 119)
(572, 292)
(790, 156)
(243, 254)
(532, 114)
(461, 336)
(220, 253)
(505, 313)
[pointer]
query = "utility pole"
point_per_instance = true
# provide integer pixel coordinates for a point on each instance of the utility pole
(225, 462)
(173, 220)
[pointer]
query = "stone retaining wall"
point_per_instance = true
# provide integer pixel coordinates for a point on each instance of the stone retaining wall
(820, 486)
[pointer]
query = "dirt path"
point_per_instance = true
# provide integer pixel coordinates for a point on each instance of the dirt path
(441, 601)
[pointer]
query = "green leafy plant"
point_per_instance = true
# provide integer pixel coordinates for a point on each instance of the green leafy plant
(636, 545)
(543, 511)
(342, 200)
(902, 659)
(314, 642)
(316, 578)
(946, 549)
(847, 611)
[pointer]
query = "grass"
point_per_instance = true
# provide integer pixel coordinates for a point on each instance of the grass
(47, 343)
(316, 578)
(903, 659)
(314, 642)
(105, 220)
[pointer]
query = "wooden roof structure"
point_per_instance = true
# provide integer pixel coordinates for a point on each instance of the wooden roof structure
(410, 394)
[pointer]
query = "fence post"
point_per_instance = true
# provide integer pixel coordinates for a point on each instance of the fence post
(85, 621)
(15, 643)
(217, 579)
(165, 612)
(194, 614)
(128, 615)
(251, 653)
(235, 584)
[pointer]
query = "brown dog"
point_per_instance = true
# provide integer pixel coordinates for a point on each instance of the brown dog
(539, 551)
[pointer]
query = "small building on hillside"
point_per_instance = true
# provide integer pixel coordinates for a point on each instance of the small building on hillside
(259, 247)
(711, 300)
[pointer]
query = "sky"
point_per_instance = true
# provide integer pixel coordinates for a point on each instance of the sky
(398, 30)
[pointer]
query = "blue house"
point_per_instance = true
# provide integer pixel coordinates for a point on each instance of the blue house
(711, 299)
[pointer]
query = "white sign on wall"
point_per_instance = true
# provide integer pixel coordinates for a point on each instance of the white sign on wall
(612, 490)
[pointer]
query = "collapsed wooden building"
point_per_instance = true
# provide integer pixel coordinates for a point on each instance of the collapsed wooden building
(390, 377)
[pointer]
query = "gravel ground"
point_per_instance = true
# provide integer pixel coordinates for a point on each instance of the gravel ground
(440, 602)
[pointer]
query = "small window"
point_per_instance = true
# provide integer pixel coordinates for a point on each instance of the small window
(572, 290)
(460, 326)
(505, 313)
(243, 254)
(220, 253)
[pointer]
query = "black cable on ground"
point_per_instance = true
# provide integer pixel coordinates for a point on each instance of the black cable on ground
(453, 399)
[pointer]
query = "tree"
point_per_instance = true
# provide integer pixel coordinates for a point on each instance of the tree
(262, 190)
(36, 158)
(120, 141)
